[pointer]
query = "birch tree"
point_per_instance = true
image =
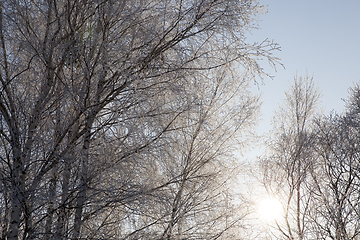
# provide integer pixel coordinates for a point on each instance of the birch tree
(286, 168)
(337, 175)
(89, 87)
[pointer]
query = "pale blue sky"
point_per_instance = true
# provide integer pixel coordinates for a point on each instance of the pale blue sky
(318, 36)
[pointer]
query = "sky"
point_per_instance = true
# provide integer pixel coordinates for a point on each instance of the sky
(320, 37)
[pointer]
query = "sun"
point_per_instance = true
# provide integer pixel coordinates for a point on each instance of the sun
(270, 209)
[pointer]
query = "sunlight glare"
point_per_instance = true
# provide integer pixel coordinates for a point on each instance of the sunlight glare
(270, 209)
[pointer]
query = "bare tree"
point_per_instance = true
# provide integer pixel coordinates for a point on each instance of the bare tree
(337, 175)
(91, 89)
(286, 168)
(200, 204)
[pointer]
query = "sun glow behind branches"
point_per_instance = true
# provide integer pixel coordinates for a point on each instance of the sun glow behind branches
(270, 210)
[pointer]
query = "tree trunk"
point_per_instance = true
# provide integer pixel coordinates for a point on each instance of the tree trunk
(50, 210)
(83, 178)
(18, 178)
